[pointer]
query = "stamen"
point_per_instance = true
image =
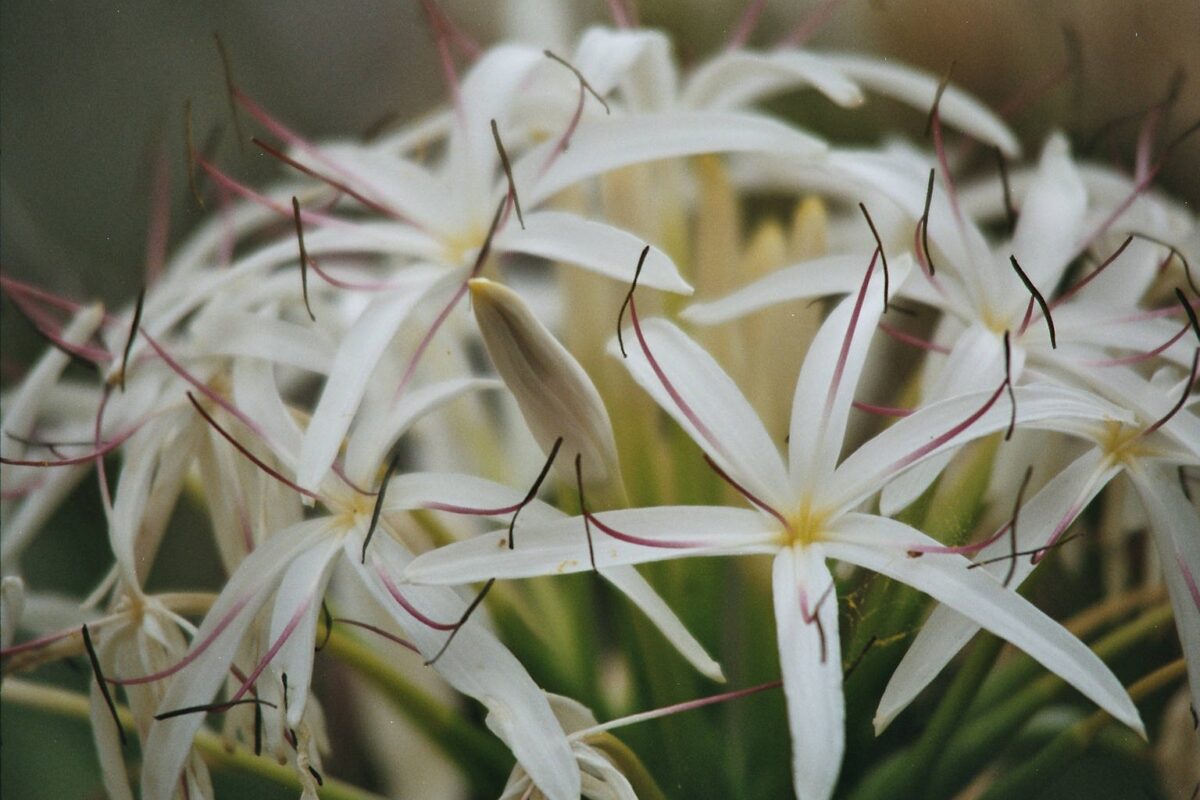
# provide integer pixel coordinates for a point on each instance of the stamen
(241, 448)
(938, 441)
(1069, 293)
(375, 512)
(504, 162)
(583, 82)
(810, 24)
(844, 354)
(380, 631)
(462, 621)
(192, 655)
(1138, 358)
(882, 254)
(230, 92)
(688, 705)
(258, 729)
(441, 36)
(303, 257)
(193, 186)
(1187, 309)
(883, 411)
(623, 16)
(99, 675)
(918, 550)
(587, 520)
(924, 223)
(83, 355)
(1012, 395)
(1012, 527)
(937, 99)
(628, 301)
(934, 124)
(533, 490)
(915, 341)
(747, 24)
(1010, 210)
(97, 452)
(412, 610)
(813, 617)
(37, 644)
(273, 650)
(1187, 388)
(1041, 301)
(334, 183)
(220, 708)
(1038, 553)
(746, 493)
(316, 775)
(133, 329)
(158, 230)
(1174, 252)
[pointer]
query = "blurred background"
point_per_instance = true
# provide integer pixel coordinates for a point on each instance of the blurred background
(91, 94)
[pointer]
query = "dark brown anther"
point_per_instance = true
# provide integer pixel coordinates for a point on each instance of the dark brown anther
(637, 273)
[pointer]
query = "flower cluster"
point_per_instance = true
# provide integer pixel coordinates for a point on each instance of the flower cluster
(370, 374)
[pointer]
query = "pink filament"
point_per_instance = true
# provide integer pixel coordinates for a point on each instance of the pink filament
(412, 610)
(192, 655)
(638, 540)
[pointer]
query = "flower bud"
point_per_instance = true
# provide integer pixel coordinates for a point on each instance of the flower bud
(555, 395)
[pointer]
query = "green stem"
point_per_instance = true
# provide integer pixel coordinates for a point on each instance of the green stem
(210, 746)
(1024, 780)
(980, 739)
(481, 757)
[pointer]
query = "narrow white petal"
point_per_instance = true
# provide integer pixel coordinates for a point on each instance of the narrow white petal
(810, 657)
(840, 274)
(468, 494)
(917, 88)
(108, 739)
(925, 433)
(1051, 217)
(595, 246)
(607, 144)
(361, 348)
(709, 406)
(477, 665)
(265, 337)
(256, 393)
(169, 740)
(562, 547)
(630, 582)
(946, 631)
(881, 544)
(829, 377)
(375, 434)
(741, 78)
(638, 61)
(294, 615)
(1175, 523)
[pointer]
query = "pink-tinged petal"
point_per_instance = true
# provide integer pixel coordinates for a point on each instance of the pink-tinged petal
(740, 78)
(690, 386)
(379, 429)
(108, 739)
(830, 373)
(467, 495)
(881, 545)
(810, 658)
(361, 348)
(631, 584)
(1051, 217)
(594, 246)
(477, 665)
(294, 621)
(946, 631)
(216, 643)
(561, 547)
(1175, 522)
(610, 143)
(840, 274)
(952, 423)
(918, 89)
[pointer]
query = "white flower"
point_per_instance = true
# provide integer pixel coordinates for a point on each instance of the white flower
(804, 515)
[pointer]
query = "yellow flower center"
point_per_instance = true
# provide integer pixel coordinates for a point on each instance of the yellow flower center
(806, 526)
(1124, 444)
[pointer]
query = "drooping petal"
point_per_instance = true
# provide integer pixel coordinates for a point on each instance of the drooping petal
(709, 406)
(880, 544)
(169, 740)
(607, 144)
(1051, 216)
(838, 274)
(476, 664)
(741, 78)
(946, 631)
(810, 657)
(595, 246)
(361, 348)
(829, 377)
(265, 337)
(631, 584)
(1175, 523)
(638, 61)
(561, 547)
(918, 89)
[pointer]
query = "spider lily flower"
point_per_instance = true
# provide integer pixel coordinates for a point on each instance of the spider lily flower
(563, 409)
(804, 515)
(285, 576)
(1162, 439)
